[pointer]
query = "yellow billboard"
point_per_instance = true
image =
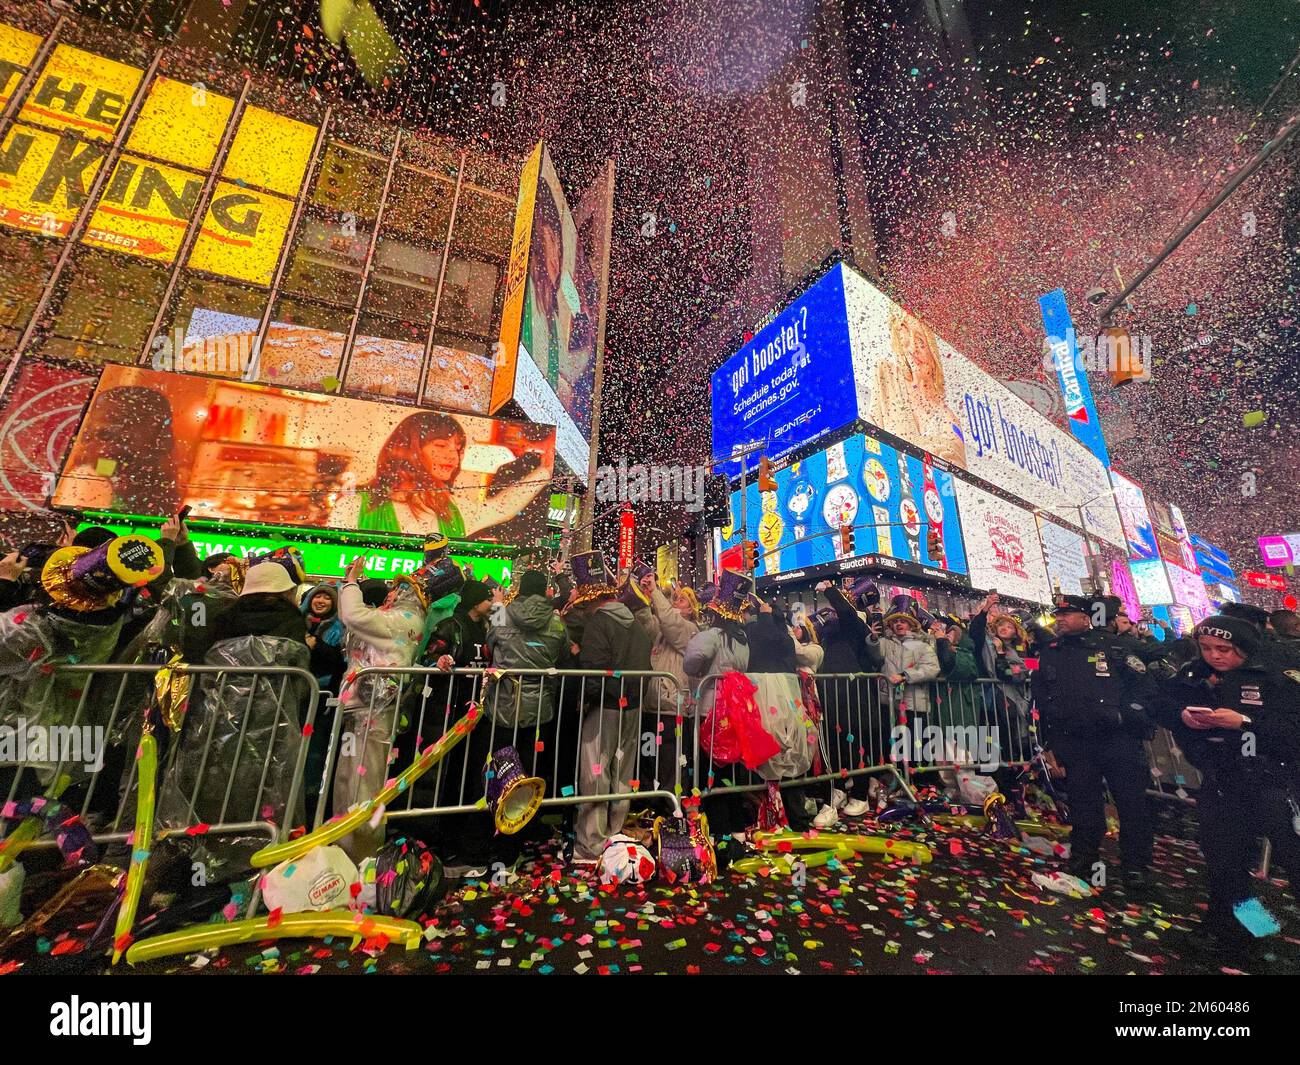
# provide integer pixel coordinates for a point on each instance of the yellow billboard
(270, 152)
(81, 92)
(44, 178)
(242, 234)
(507, 354)
(17, 50)
(144, 210)
(181, 123)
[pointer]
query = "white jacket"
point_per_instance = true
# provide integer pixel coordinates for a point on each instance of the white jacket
(915, 658)
(378, 636)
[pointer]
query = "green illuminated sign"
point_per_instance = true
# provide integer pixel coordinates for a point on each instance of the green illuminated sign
(324, 560)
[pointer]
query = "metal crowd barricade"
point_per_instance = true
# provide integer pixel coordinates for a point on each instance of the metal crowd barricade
(646, 707)
(1171, 773)
(869, 726)
(114, 699)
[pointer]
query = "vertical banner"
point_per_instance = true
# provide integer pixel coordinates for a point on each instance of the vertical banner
(626, 540)
(512, 309)
(1080, 411)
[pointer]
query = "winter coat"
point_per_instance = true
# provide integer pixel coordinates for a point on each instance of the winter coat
(915, 658)
(612, 639)
(671, 631)
(1270, 697)
(712, 652)
(958, 688)
(329, 633)
(243, 726)
(524, 634)
(376, 637)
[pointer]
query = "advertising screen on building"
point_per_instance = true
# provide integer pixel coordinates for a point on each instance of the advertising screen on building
(1065, 554)
(789, 385)
(1138, 530)
(1151, 581)
(1280, 550)
(324, 560)
(1121, 584)
(153, 441)
(1002, 545)
(1189, 590)
(38, 418)
(891, 499)
(914, 385)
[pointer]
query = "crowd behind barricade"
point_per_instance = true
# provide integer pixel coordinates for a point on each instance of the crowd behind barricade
(735, 707)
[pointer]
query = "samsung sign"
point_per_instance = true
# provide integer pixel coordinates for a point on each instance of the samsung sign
(789, 385)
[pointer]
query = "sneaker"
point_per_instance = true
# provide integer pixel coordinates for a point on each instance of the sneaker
(856, 808)
(464, 872)
(838, 798)
(827, 817)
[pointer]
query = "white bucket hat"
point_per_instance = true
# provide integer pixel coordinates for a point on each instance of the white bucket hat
(264, 577)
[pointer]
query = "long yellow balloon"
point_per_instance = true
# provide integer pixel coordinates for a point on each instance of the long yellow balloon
(1034, 828)
(199, 937)
(142, 838)
(858, 844)
(784, 865)
(332, 830)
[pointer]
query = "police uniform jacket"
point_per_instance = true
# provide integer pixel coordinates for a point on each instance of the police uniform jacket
(1090, 686)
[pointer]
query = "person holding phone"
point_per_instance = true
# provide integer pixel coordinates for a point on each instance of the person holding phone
(1237, 717)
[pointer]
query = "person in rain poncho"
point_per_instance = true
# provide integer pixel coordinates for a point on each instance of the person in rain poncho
(239, 745)
(389, 635)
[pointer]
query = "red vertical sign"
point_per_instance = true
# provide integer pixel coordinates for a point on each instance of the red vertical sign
(626, 540)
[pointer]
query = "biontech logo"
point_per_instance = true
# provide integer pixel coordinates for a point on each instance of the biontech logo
(134, 1019)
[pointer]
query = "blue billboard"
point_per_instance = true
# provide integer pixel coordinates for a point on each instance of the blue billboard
(789, 385)
(890, 498)
(1080, 411)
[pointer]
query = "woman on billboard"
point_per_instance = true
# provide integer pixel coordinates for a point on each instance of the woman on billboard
(418, 485)
(909, 399)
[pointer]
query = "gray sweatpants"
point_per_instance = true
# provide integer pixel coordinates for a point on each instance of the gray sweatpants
(607, 760)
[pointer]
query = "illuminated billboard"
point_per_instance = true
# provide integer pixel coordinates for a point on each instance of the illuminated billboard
(1138, 530)
(1066, 556)
(890, 500)
(1002, 545)
(153, 441)
(38, 417)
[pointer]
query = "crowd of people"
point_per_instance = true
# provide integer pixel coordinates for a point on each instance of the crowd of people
(1078, 696)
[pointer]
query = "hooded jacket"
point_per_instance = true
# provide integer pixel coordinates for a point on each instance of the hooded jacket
(249, 615)
(329, 633)
(524, 634)
(613, 640)
(850, 650)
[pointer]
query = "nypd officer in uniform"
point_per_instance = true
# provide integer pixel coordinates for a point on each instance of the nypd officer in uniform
(1237, 715)
(1091, 692)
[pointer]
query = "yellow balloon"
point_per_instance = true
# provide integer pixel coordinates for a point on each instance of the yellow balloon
(857, 843)
(291, 926)
(784, 864)
(337, 829)
(146, 777)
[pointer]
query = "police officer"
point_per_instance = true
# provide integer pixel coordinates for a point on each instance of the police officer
(1238, 719)
(1091, 691)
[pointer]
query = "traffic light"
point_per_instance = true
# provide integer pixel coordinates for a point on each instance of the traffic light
(766, 482)
(934, 544)
(846, 541)
(750, 555)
